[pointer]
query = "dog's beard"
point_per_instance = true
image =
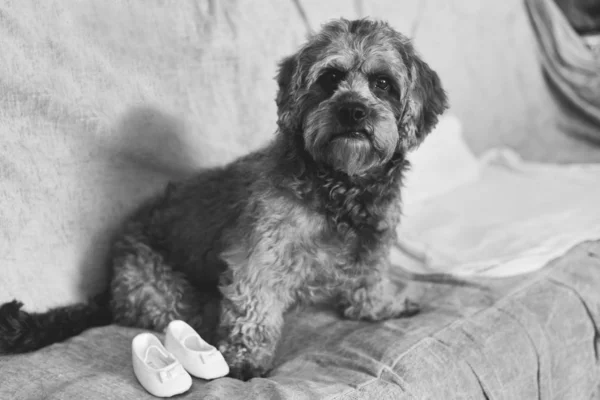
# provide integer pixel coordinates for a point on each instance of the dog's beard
(352, 156)
(327, 143)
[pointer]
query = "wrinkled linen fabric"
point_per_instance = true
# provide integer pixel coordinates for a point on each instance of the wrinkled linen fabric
(572, 69)
(493, 216)
(584, 15)
(532, 337)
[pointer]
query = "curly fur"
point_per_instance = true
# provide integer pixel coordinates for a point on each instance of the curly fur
(309, 218)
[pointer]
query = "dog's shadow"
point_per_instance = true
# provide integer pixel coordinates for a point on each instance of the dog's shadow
(147, 149)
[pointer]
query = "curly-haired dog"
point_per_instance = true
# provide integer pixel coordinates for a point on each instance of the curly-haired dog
(309, 218)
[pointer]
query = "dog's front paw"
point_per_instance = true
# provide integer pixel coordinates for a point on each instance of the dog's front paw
(382, 311)
(408, 309)
(382, 300)
(243, 363)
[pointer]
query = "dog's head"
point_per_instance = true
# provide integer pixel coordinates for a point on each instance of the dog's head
(358, 94)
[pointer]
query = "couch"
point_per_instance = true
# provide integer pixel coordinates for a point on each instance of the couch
(102, 103)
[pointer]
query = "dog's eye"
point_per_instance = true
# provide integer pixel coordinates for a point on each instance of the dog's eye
(382, 83)
(331, 79)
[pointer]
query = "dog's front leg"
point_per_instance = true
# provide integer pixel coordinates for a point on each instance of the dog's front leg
(376, 298)
(250, 327)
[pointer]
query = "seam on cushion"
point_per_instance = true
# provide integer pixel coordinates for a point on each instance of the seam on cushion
(535, 349)
(375, 380)
(371, 381)
(392, 372)
(404, 388)
(484, 391)
(356, 389)
(587, 311)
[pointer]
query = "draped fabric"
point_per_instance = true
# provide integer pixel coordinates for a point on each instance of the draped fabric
(571, 64)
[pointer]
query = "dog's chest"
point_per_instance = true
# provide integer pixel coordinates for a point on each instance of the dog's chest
(326, 258)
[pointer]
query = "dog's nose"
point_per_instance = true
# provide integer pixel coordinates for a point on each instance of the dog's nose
(352, 113)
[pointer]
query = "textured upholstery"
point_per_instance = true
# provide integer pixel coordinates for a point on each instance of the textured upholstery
(531, 337)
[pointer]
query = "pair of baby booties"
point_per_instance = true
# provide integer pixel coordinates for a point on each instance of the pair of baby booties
(164, 371)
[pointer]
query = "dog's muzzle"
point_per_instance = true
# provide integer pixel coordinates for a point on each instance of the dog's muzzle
(351, 117)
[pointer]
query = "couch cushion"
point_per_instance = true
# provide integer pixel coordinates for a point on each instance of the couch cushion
(525, 338)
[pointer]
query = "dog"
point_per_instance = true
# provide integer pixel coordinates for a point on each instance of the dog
(309, 218)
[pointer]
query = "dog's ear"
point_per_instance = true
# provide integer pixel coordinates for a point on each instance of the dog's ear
(426, 100)
(285, 93)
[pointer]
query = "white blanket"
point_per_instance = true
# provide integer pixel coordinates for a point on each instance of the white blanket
(494, 216)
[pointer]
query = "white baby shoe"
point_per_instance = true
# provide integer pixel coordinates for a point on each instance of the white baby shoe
(161, 374)
(198, 357)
